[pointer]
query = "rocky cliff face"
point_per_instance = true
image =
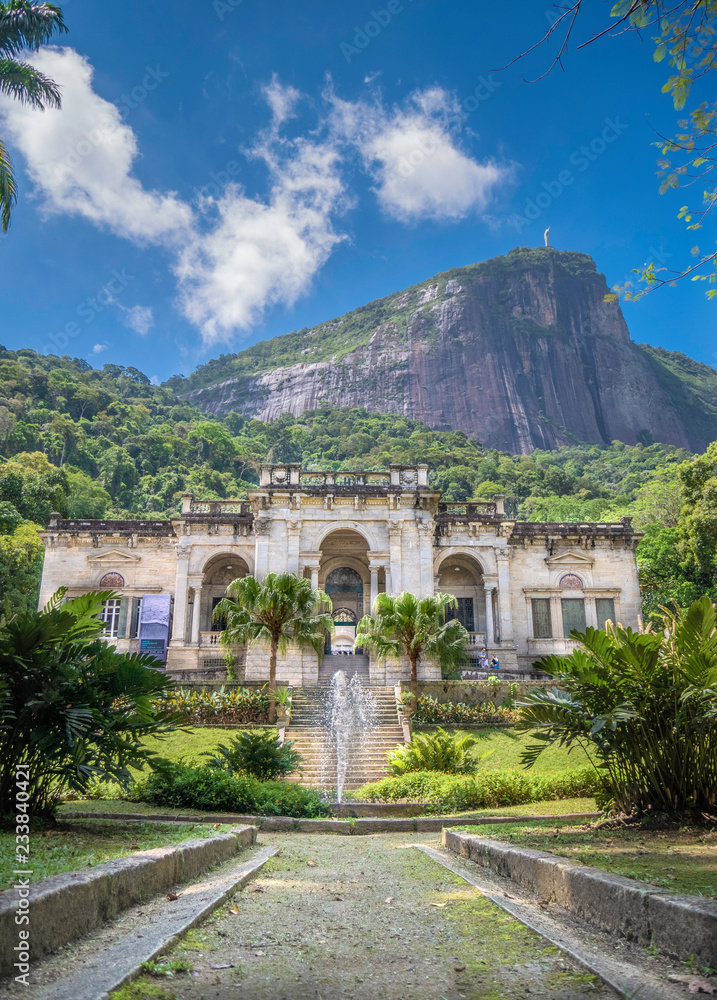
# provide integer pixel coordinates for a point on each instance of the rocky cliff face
(521, 352)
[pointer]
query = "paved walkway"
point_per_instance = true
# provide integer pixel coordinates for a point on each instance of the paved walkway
(365, 918)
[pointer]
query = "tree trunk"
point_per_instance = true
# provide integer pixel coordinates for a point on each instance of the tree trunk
(414, 683)
(272, 681)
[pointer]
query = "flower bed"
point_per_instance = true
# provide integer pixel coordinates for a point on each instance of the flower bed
(433, 712)
(239, 707)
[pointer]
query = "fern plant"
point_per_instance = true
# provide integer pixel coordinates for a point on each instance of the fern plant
(439, 751)
(257, 752)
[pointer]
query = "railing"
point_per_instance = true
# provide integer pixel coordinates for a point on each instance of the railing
(221, 508)
(210, 639)
(477, 639)
(466, 511)
(344, 479)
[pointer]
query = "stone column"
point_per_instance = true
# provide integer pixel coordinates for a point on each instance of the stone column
(293, 529)
(489, 625)
(373, 570)
(196, 583)
(395, 533)
(425, 542)
(314, 577)
(179, 626)
(505, 596)
(262, 526)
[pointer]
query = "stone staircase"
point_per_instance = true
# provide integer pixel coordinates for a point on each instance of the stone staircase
(309, 737)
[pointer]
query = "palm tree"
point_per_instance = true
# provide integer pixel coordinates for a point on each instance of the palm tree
(407, 625)
(283, 609)
(24, 24)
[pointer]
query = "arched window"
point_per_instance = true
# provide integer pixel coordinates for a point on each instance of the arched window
(571, 581)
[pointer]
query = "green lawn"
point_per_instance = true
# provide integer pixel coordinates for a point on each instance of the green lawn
(505, 747)
(192, 745)
(682, 860)
(67, 849)
(557, 807)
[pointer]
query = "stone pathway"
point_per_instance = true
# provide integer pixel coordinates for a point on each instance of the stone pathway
(361, 919)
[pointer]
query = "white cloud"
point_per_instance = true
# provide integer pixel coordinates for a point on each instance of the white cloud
(137, 318)
(80, 158)
(419, 170)
(99, 348)
(235, 256)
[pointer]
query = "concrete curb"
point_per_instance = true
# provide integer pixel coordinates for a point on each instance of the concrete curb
(67, 906)
(110, 968)
(360, 827)
(679, 926)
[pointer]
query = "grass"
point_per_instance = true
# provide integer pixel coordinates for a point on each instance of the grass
(506, 746)
(70, 849)
(554, 808)
(682, 860)
(192, 745)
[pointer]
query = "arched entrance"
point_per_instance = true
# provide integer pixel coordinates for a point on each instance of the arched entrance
(344, 575)
(218, 574)
(462, 577)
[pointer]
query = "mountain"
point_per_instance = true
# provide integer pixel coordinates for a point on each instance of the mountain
(521, 352)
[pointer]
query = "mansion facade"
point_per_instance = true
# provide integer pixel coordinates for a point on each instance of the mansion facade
(521, 586)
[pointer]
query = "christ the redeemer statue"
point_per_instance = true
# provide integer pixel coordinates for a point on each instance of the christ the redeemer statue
(546, 236)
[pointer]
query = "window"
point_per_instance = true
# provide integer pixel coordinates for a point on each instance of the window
(573, 616)
(464, 613)
(111, 617)
(219, 624)
(605, 607)
(542, 624)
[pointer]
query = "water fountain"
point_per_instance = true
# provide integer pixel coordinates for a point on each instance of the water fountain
(349, 717)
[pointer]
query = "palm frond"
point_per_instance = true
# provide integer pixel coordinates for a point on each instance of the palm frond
(28, 85)
(8, 187)
(28, 25)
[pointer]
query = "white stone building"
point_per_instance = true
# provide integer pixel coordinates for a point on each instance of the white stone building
(521, 587)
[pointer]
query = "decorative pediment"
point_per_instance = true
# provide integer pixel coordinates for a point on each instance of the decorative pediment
(114, 556)
(570, 558)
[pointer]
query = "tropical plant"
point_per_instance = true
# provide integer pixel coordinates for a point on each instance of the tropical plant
(284, 699)
(259, 753)
(431, 711)
(183, 787)
(283, 609)
(644, 706)
(416, 628)
(72, 709)
(439, 751)
(239, 707)
(24, 25)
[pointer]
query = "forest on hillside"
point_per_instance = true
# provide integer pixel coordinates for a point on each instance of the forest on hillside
(107, 443)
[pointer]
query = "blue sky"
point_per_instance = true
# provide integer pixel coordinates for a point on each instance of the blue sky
(223, 172)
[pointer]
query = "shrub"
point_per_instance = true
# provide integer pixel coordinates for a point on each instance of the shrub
(446, 793)
(210, 788)
(258, 753)
(431, 711)
(644, 705)
(242, 707)
(439, 751)
(72, 709)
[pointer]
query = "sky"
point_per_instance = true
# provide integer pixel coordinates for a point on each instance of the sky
(225, 171)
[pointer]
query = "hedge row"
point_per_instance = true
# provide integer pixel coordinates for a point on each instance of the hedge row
(433, 712)
(240, 706)
(448, 793)
(182, 787)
